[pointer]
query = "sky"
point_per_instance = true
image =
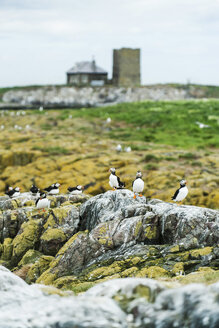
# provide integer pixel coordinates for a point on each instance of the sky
(41, 39)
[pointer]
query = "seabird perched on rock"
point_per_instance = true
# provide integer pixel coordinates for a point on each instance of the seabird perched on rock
(13, 192)
(181, 193)
(42, 202)
(138, 184)
(34, 190)
(114, 181)
(76, 190)
(53, 189)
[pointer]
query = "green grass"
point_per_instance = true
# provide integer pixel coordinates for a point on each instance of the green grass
(163, 122)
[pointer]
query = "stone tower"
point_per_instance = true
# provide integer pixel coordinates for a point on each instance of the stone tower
(126, 67)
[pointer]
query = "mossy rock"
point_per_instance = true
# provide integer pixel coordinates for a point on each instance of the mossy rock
(26, 239)
(31, 256)
(7, 249)
(206, 276)
(178, 268)
(102, 272)
(153, 272)
(52, 240)
(38, 268)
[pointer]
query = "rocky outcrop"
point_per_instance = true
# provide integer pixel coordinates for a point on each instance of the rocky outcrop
(112, 235)
(118, 303)
(56, 97)
(24, 228)
(119, 233)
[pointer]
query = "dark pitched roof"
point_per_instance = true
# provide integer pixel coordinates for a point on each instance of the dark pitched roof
(86, 67)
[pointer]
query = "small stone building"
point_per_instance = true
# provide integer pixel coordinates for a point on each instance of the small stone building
(86, 73)
(126, 67)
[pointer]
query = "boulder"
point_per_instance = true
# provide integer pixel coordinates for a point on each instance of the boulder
(28, 302)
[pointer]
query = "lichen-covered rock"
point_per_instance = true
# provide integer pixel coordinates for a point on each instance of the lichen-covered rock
(7, 249)
(173, 223)
(26, 239)
(29, 257)
(37, 269)
(52, 240)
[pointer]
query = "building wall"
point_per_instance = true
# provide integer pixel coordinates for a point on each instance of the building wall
(126, 67)
(85, 79)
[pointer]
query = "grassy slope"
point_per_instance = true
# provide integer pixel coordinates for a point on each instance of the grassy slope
(163, 122)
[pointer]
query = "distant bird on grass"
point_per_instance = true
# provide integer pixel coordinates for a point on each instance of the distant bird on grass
(53, 189)
(114, 181)
(42, 202)
(202, 125)
(138, 184)
(118, 148)
(181, 193)
(13, 192)
(128, 149)
(108, 120)
(76, 190)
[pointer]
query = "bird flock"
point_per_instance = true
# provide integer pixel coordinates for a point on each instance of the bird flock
(115, 183)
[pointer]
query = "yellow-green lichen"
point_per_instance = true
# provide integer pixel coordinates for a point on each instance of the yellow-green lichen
(151, 232)
(51, 234)
(38, 268)
(102, 272)
(138, 228)
(178, 268)
(130, 272)
(30, 256)
(7, 249)
(26, 240)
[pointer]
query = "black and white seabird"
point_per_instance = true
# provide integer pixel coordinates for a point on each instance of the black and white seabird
(13, 192)
(53, 189)
(76, 190)
(181, 193)
(114, 181)
(42, 202)
(138, 184)
(34, 190)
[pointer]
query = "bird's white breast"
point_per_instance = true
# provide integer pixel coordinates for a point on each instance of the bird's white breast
(183, 192)
(16, 194)
(113, 181)
(53, 192)
(42, 203)
(138, 185)
(76, 192)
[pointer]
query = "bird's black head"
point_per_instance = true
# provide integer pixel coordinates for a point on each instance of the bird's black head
(42, 195)
(138, 174)
(183, 183)
(113, 170)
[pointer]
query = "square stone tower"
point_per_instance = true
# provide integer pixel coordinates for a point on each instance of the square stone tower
(126, 67)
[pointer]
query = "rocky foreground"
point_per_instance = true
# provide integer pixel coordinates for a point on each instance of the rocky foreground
(89, 245)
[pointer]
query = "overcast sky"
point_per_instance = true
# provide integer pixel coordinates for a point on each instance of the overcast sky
(41, 39)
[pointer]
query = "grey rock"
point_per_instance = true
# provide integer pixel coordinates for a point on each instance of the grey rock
(27, 306)
(87, 96)
(194, 305)
(110, 206)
